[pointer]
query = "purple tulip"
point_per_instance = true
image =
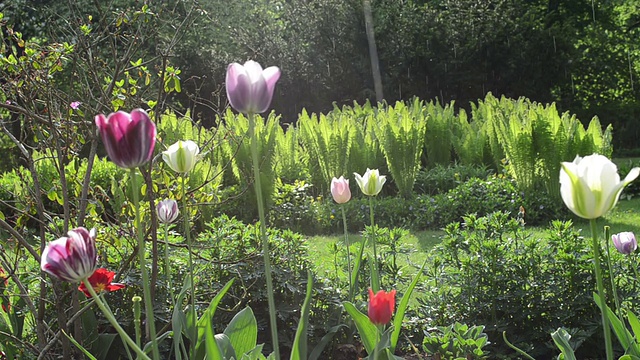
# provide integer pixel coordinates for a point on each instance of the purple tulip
(167, 211)
(72, 258)
(249, 88)
(128, 138)
(625, 242)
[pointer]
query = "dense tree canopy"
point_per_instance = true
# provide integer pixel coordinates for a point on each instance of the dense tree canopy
(584, 55)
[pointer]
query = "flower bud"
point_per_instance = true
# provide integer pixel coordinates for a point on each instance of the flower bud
(340, 190)
(167, 211)
(181, 156)
(128, 138)
(371, 182)
(249, 88)
(625, 242)
(381, 306)
(72, 258)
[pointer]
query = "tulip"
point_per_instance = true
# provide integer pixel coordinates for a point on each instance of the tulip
(128, 138)
(249, 88)
(381, 306)
(371, 182)
(625, 242)
(72, 258)
(101, 280)
(591, 186)
(340, 190)
(181, 156)
(167, 211)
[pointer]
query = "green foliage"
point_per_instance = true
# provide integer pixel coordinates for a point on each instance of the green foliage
(490, 272)
(438, 136)
(441, 178)
(328, 139)
(456, 341)
(401, 131)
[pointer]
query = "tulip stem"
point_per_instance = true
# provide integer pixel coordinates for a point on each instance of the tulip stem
(187, 234)
(112, 320)
(375, 276)
(600, 289)
(346, 244)
(148, 302)
(167, 263)
(263, 234)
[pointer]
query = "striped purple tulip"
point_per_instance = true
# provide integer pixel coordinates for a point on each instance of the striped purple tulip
(249, 88)
(167, 211)
(72, 258)
(128, 138)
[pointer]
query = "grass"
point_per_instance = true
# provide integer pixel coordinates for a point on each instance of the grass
(415, 247)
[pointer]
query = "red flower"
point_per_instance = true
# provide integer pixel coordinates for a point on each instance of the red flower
(101, 280)
(381, 306)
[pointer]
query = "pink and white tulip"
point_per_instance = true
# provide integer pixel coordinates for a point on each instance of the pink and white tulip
(72, 258)
(340, 190)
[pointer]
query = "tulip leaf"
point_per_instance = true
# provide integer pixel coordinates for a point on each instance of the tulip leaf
(205, 322)
(367, 330)
(402, 307)
(242, 331)
(619, 328)
(299, 348)
(561, 338)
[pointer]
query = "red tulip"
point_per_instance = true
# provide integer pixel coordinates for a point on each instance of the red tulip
(381, 306)
(128, 138)
(100, 281)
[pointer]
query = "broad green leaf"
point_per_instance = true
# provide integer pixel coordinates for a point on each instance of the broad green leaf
(402, 307)
(205, 322)
(212, 349)
(635, 324)
(299, 347)
(624, 336)
(368, 332)
(243, 331)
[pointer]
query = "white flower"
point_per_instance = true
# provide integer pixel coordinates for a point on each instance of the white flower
(591, 186)
(371, 182)
(181, 156)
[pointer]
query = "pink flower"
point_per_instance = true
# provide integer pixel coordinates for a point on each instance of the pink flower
(101, 280)
(75, 105)
(128, 138)
(72, 258)
(625, 242)
(249, 88)
(340, 190)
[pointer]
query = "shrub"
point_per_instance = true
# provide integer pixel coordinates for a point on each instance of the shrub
(491, 272)
(441, 179)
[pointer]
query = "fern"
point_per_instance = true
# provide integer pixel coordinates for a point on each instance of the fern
(401, 131)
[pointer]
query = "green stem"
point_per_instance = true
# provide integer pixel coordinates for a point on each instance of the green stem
(167, 264)
(346, 244)
(112, 320)
(263, 235)
(375, 275)
(148, 302)
(187, 234)
(600, 289)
